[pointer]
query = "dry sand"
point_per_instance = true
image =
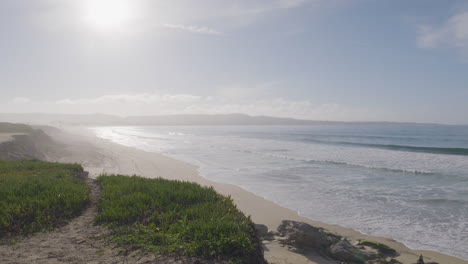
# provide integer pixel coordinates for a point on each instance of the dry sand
(101, 156)
(4, 137)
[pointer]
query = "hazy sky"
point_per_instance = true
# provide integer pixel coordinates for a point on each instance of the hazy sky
(397, 60)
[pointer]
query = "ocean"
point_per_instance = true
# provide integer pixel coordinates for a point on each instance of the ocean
(408, 182)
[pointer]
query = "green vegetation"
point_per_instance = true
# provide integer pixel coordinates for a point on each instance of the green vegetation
(383, 249)
(172, 217)
(38, 195)
(14, 128)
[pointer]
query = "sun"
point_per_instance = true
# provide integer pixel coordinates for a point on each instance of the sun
(108, 14)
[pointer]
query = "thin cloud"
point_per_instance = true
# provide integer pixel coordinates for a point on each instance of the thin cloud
(193, 29)
(453, 33)
(21, 100)
(155, 103)
(147, 98)
(290, 3)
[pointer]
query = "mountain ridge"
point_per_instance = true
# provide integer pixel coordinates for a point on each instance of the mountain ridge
(177, 120)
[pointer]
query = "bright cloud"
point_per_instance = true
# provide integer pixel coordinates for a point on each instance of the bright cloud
(145, 14)
(193, 29)
(21, 100)
(453, 33)
(184, 14)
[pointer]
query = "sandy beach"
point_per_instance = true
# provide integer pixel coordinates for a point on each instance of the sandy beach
(101, 156)
(5, 137)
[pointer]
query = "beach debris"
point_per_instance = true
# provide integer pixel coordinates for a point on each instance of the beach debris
(420, 260)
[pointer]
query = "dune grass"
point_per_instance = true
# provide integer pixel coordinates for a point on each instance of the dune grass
(37, 195)
(173, 217)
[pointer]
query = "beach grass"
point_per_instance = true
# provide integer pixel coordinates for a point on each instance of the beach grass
(176, 218)
(37, 195)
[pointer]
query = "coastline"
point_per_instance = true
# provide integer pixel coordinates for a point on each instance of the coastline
(103, 156)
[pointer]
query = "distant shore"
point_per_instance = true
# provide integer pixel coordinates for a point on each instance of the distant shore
(102, 156)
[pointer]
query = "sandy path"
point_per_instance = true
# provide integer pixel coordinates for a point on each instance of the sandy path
(80, 241)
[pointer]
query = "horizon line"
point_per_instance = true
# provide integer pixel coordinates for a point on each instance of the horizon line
(243, 114)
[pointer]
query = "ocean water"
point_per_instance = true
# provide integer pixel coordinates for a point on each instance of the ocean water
(408, 182)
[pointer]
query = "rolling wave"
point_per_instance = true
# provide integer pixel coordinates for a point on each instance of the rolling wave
(431, 150)
(374, 167)
(441, 201)
(341, 163)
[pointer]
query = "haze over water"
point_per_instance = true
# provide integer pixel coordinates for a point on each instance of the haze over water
(402, 181)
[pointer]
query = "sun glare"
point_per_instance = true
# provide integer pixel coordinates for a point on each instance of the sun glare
(108, 14)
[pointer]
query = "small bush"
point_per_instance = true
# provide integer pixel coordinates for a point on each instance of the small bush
(174, 217)
(36, 195)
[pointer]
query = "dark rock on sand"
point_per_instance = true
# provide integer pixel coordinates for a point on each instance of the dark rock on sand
(344, 251)
(303, 235)
(262, 230)
(271, 235)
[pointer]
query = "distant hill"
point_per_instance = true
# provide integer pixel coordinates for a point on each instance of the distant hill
(226, 119)
(166, 120)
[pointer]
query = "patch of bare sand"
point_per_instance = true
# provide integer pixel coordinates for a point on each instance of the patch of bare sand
(5, 137)
(80, 241)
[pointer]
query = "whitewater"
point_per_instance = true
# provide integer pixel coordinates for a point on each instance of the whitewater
(408, 182)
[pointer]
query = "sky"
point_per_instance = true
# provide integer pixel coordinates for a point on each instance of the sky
(341, 60)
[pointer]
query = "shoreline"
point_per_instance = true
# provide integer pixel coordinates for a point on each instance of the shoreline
(113, 158)
(302, 216)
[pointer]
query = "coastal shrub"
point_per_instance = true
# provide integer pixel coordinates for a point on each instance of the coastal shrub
(173, 217)
(37, 195)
